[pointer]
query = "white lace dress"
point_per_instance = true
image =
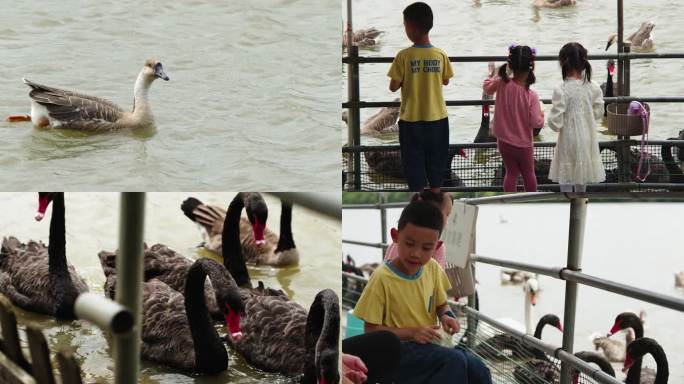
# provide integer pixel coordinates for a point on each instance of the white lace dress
(576, 106)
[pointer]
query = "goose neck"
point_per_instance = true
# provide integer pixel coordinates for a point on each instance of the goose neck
(140, 92)
(285, 240)
(322, 335)
(57, 244)
(233, 259)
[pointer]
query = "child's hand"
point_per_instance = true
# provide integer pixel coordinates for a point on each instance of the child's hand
(491, 67)
(450, 324)
(424, 335)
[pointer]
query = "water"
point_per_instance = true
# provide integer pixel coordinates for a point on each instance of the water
(466, 28)
(631, 243)
(92, 225)
(247, 78)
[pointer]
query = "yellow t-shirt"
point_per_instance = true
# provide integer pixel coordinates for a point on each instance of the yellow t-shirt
(394, 299)
(421, 70)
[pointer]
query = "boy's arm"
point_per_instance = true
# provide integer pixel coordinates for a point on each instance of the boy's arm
(396, 84)
(448, 72)
(448, 319)
(421, 335)
(396, 73)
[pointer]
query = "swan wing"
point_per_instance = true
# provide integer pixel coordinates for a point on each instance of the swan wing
(68, 106)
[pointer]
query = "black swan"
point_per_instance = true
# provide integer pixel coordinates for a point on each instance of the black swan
(176, 328)
(635, 351)
(494, 347)
(265, 247)
(388, 163)
(609, 86)
(484, 134)
(675, 173)
(38, 278)
(680, 154)
(593, 357)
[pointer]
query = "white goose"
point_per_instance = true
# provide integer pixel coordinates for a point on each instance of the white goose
(57, 108)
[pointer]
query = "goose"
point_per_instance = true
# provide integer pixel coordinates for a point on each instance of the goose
(176, 328)
(363, 37)
(635, 351)
(675, 173)
(679, 279)
(493, 347)
(593, 357)
(641, 40)
(57, 108)
(515, 277)
(484, 134)
(265, 247)
(383, 122)
(388, 163)
(553, 3)
(613, 350)
(38, 278)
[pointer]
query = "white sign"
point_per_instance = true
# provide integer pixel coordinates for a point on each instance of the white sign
(459, 233)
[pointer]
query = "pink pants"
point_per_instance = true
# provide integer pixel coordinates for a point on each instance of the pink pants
(518, 161)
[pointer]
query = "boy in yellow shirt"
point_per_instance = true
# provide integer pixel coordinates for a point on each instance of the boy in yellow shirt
(420, 71)
(407, 295)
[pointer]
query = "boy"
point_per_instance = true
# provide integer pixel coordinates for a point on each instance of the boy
(407, 295)
(420, 71)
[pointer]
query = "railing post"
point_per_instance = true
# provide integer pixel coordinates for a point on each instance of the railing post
(626, 76)
(578, 214)
(354, 115)
(620, 42)
(129, 268)
(472, 321)
(383, 221)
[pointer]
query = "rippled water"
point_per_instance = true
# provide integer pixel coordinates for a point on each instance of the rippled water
(481, 27)
(248, 78)
(92, 225)
(638, 244)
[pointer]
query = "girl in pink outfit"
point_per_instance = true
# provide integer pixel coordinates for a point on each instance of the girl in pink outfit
(517, 114)
(444, 201)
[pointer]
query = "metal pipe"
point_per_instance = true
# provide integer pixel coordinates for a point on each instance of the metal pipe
(484, 59)
(328, 204)
(129, 268)
(477, 102)
(106, 314)
(354, 116)
(627, 75)
(383, 221)
(578, 214)
(541, 144)
(620, 42)
(546, 271)
(365, 244)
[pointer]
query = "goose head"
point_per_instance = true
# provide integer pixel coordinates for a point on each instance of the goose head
(627, 320)
(257, 214)
(233, 309)
(646, 28)
(44, 199)
(327, 367)
(637, 349)
(611, 67)
(153, 70)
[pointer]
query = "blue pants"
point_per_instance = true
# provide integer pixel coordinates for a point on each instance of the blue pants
(424, 152)
(431, 363)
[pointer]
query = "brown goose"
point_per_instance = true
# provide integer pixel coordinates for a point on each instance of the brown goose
(176, 328)
(57, 108)
(264, 247)
(553, 3)
(38, 278)
(641, 40)
(362, 37)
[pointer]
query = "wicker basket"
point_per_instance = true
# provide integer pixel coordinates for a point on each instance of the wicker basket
(622, 124)
(461, 279)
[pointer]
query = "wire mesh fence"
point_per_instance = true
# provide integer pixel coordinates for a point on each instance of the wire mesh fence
(478, 166)
(509, 358)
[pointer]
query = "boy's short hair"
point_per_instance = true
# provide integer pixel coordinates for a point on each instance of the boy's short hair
(435, 197)
(421, 214)
(419, 15)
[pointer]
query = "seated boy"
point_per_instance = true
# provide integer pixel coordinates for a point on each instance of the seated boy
(407, 295)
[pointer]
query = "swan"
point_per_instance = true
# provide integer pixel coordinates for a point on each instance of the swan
(57, 108)
(593, 357)
(679, 279)
(675, 173)
(484, 133)
(362, 37)
(265, 247)
(493, 347)
(515, 277)
(388, 163)
(38, 278)
(553, 3)
(641, 40)
(635, 351)
(609, 86)
(613, 350)
(531, 288)
(176, 328)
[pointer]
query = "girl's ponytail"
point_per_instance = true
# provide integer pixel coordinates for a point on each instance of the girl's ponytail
(503, 73)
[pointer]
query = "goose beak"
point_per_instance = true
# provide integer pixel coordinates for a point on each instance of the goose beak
(233, 323)
(43, 202)
(560, 327)
(616, 328)
(533, 299)
(628, 363)
(259, 229)
(159, 72)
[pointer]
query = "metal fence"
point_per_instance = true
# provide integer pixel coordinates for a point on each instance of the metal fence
(379, 167)
(479, 167)
(480, 328)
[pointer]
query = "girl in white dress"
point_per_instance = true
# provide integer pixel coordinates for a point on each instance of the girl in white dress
(577, 103)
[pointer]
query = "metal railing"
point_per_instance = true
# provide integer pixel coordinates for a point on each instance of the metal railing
(352, 172)
(571, 272)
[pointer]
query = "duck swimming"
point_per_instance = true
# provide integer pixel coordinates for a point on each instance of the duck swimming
(553, 3)
(57, 108)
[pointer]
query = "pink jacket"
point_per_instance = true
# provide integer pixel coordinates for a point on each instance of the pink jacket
(517, 112)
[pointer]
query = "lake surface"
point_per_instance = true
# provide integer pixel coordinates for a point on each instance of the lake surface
(632, 243)
(248, 78)
(482, 27)
(92, 225)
